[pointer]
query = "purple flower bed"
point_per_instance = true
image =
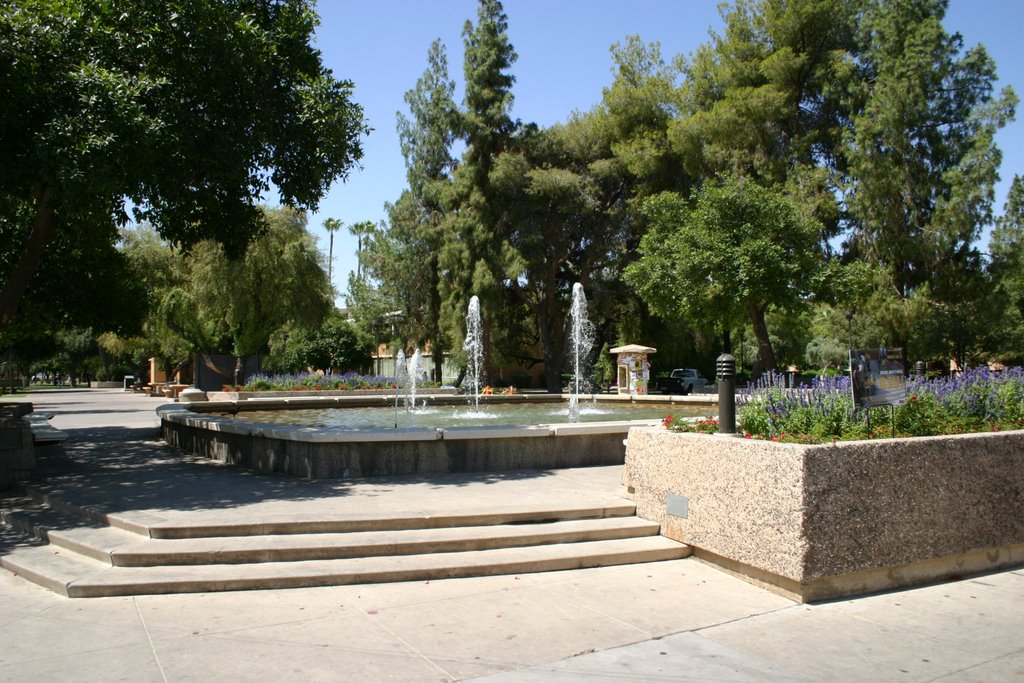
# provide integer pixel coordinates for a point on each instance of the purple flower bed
(976, 400)
(314, 382)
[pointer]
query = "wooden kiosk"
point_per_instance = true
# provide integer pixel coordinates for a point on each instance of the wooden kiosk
(633, 369)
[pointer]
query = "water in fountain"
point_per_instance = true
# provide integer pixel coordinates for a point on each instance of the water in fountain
(581, 340)
(474, 348)
(415, 376)
(400, 374)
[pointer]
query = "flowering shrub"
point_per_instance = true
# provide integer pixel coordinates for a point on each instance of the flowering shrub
(973, 401)
(314, 382)
(704, 425)
(822, 411)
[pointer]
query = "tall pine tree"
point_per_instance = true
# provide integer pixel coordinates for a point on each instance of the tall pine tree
(471, 257)
(426, 140)
(921, 150)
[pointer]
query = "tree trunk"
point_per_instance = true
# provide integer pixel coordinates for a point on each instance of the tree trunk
(435, 318)
(438, 355)
(765, 353)
(552, 354)
(488, 366)
(44, 227)
(203, 356)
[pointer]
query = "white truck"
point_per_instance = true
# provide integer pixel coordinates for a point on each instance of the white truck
(681, 381)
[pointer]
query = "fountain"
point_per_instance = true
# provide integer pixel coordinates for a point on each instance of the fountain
(581, 340)
(415, 376)
(400, 373)
(474, 348)
(354, 436)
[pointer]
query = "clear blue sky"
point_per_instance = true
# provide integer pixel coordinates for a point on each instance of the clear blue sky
(564, 62)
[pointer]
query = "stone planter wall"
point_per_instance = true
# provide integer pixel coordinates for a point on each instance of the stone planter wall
(818, 522)
(328, 452)
(246, 395)
(17, 452)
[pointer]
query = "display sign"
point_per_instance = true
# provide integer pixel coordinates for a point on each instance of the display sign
(878, 376)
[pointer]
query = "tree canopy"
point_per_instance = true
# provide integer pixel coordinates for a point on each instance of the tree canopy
(186, 113)
(817, 174)
(738, 251)
(202, 302)
(811, 158)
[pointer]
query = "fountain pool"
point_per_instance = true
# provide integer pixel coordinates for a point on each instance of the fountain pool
(336, 437)
(447, 416)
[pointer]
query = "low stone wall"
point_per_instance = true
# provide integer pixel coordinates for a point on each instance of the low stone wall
(302, 393)
(817, 522)
(17, 451)
(339, 453)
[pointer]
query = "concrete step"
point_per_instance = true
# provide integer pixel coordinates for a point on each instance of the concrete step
(222, 523)
(127, 549)
(296, 547)
(50, 566)
(90, 552)
(83, 577)
(33, 518)
(196, 527)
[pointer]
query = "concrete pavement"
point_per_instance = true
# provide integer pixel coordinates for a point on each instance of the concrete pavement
(679, 620)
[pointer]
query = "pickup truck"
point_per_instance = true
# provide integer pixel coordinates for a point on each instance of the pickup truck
(681, 381)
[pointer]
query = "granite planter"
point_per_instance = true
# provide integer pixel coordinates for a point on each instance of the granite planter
(307, 393)
(824, 521)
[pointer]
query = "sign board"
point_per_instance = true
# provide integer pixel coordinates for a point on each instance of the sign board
(878, 376)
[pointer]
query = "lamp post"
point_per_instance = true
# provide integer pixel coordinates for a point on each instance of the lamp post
(849, 326)
(725, 375)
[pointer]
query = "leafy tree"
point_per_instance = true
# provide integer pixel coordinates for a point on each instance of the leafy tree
(120, 356)
(280, 280)
(562, 224)
(635, 114)
(335, 346)
(190, 111)
(470, 259)
(82, 280)
(202, 302)
(826, 353)
(399, 262)
(397, 274)
(1007, 270)
(631, 157)
(427, 138)
(764, 99)
(739, 251)
(921, 150)
(74, 348)
(171, 329)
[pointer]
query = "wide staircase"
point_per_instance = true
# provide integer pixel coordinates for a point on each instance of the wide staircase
(85, 552)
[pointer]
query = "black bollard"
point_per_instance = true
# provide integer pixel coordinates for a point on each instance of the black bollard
(725, 373)
(919, 369)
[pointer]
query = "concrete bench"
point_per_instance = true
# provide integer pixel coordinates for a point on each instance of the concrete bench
(43, 432)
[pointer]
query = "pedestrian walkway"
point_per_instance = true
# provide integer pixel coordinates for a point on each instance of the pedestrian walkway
(674, 620)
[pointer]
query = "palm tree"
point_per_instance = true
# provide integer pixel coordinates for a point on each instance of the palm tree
(360, 231)
(332, 225)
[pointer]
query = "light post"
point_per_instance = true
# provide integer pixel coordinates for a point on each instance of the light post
(849, 326)
(725, 375)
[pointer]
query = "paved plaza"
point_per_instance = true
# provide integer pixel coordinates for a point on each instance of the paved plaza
(680, 620)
